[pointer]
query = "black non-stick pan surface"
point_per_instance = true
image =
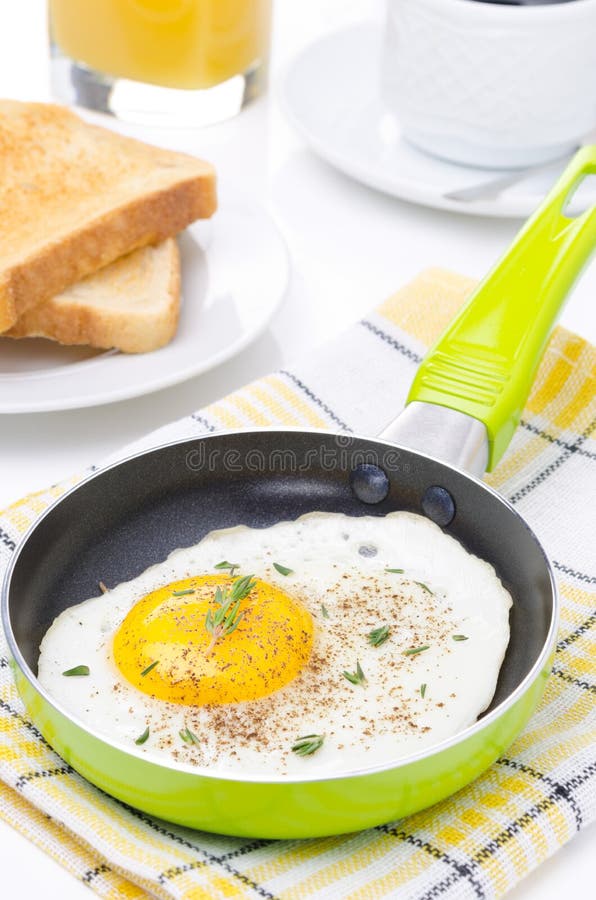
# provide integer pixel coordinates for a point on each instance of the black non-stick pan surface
(132, 515)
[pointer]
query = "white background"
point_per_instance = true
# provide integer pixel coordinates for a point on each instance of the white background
(350, 248)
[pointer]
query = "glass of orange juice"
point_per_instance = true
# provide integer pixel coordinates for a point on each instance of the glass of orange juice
(177, 62)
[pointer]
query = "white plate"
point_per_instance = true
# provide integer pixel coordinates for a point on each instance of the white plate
(330, 93)
(234, 276)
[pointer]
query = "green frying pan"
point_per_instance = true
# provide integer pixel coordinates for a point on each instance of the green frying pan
(462, 410)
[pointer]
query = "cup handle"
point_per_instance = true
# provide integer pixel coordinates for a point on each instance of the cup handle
(484, 364)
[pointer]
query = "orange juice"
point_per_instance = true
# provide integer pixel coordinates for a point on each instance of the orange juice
(192, 44)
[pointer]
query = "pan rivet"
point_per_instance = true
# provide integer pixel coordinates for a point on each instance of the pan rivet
(369, 483)
(438, 505)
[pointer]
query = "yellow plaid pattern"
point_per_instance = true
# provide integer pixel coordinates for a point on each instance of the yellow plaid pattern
(477, 844)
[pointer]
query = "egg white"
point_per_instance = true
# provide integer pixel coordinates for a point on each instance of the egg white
(337, 562)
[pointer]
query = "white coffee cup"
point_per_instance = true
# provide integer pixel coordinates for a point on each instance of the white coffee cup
(491, 85)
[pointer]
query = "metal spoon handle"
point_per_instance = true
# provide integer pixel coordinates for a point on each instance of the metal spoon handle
(491, 189)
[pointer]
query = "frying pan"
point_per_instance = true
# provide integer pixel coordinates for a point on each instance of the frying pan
(462, 410)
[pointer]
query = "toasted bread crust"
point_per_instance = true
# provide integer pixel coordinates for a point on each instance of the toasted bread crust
(8, 313)
(157, 193)
(56, 267)
(71, 319)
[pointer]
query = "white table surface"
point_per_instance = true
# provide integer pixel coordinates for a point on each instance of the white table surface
(350, 248)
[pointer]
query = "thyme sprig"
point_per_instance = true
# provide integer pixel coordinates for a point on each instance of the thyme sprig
(308, 744)
(149, 668)
(77, 670)
(142, 738)
(224, 564)
(395, 571)
(324, 611)
(183, 593)
(357, 677)
(283, 570)
(188, 736)
(459, 637)
(414, 650)
(379, 635)
(227, 617)
(422, 690)
(424, 587)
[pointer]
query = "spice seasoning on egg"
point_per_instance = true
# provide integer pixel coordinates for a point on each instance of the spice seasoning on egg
(276, 679)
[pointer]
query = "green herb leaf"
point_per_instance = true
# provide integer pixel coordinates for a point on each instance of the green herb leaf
(459, 637)
(242, 587)
(413, 650)
(188, 736)
(378, 636)
(182, 593)
(324, 611)
(283, 570)
(424, 587)
(357, 677)
(395, 571)
(149, 668)
(77, 670)
(142, 737)
(307, 745)
(224, 564)
(422, 690)
(227, 617)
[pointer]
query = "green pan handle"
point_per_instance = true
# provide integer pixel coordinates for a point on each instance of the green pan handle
(485, 362)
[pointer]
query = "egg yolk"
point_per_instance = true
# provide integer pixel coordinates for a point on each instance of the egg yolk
(164, 648)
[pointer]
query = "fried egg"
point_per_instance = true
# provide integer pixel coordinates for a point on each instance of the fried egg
(322, 645)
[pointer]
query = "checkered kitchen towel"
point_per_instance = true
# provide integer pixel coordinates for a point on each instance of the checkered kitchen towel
(477, 844)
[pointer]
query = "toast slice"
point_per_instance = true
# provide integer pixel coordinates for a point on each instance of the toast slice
(132, 304)
(75, 197)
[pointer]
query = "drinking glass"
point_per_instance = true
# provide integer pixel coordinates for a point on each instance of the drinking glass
(176, 62)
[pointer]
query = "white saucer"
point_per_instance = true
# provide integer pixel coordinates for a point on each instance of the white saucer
(330, 93)
(234, 276)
